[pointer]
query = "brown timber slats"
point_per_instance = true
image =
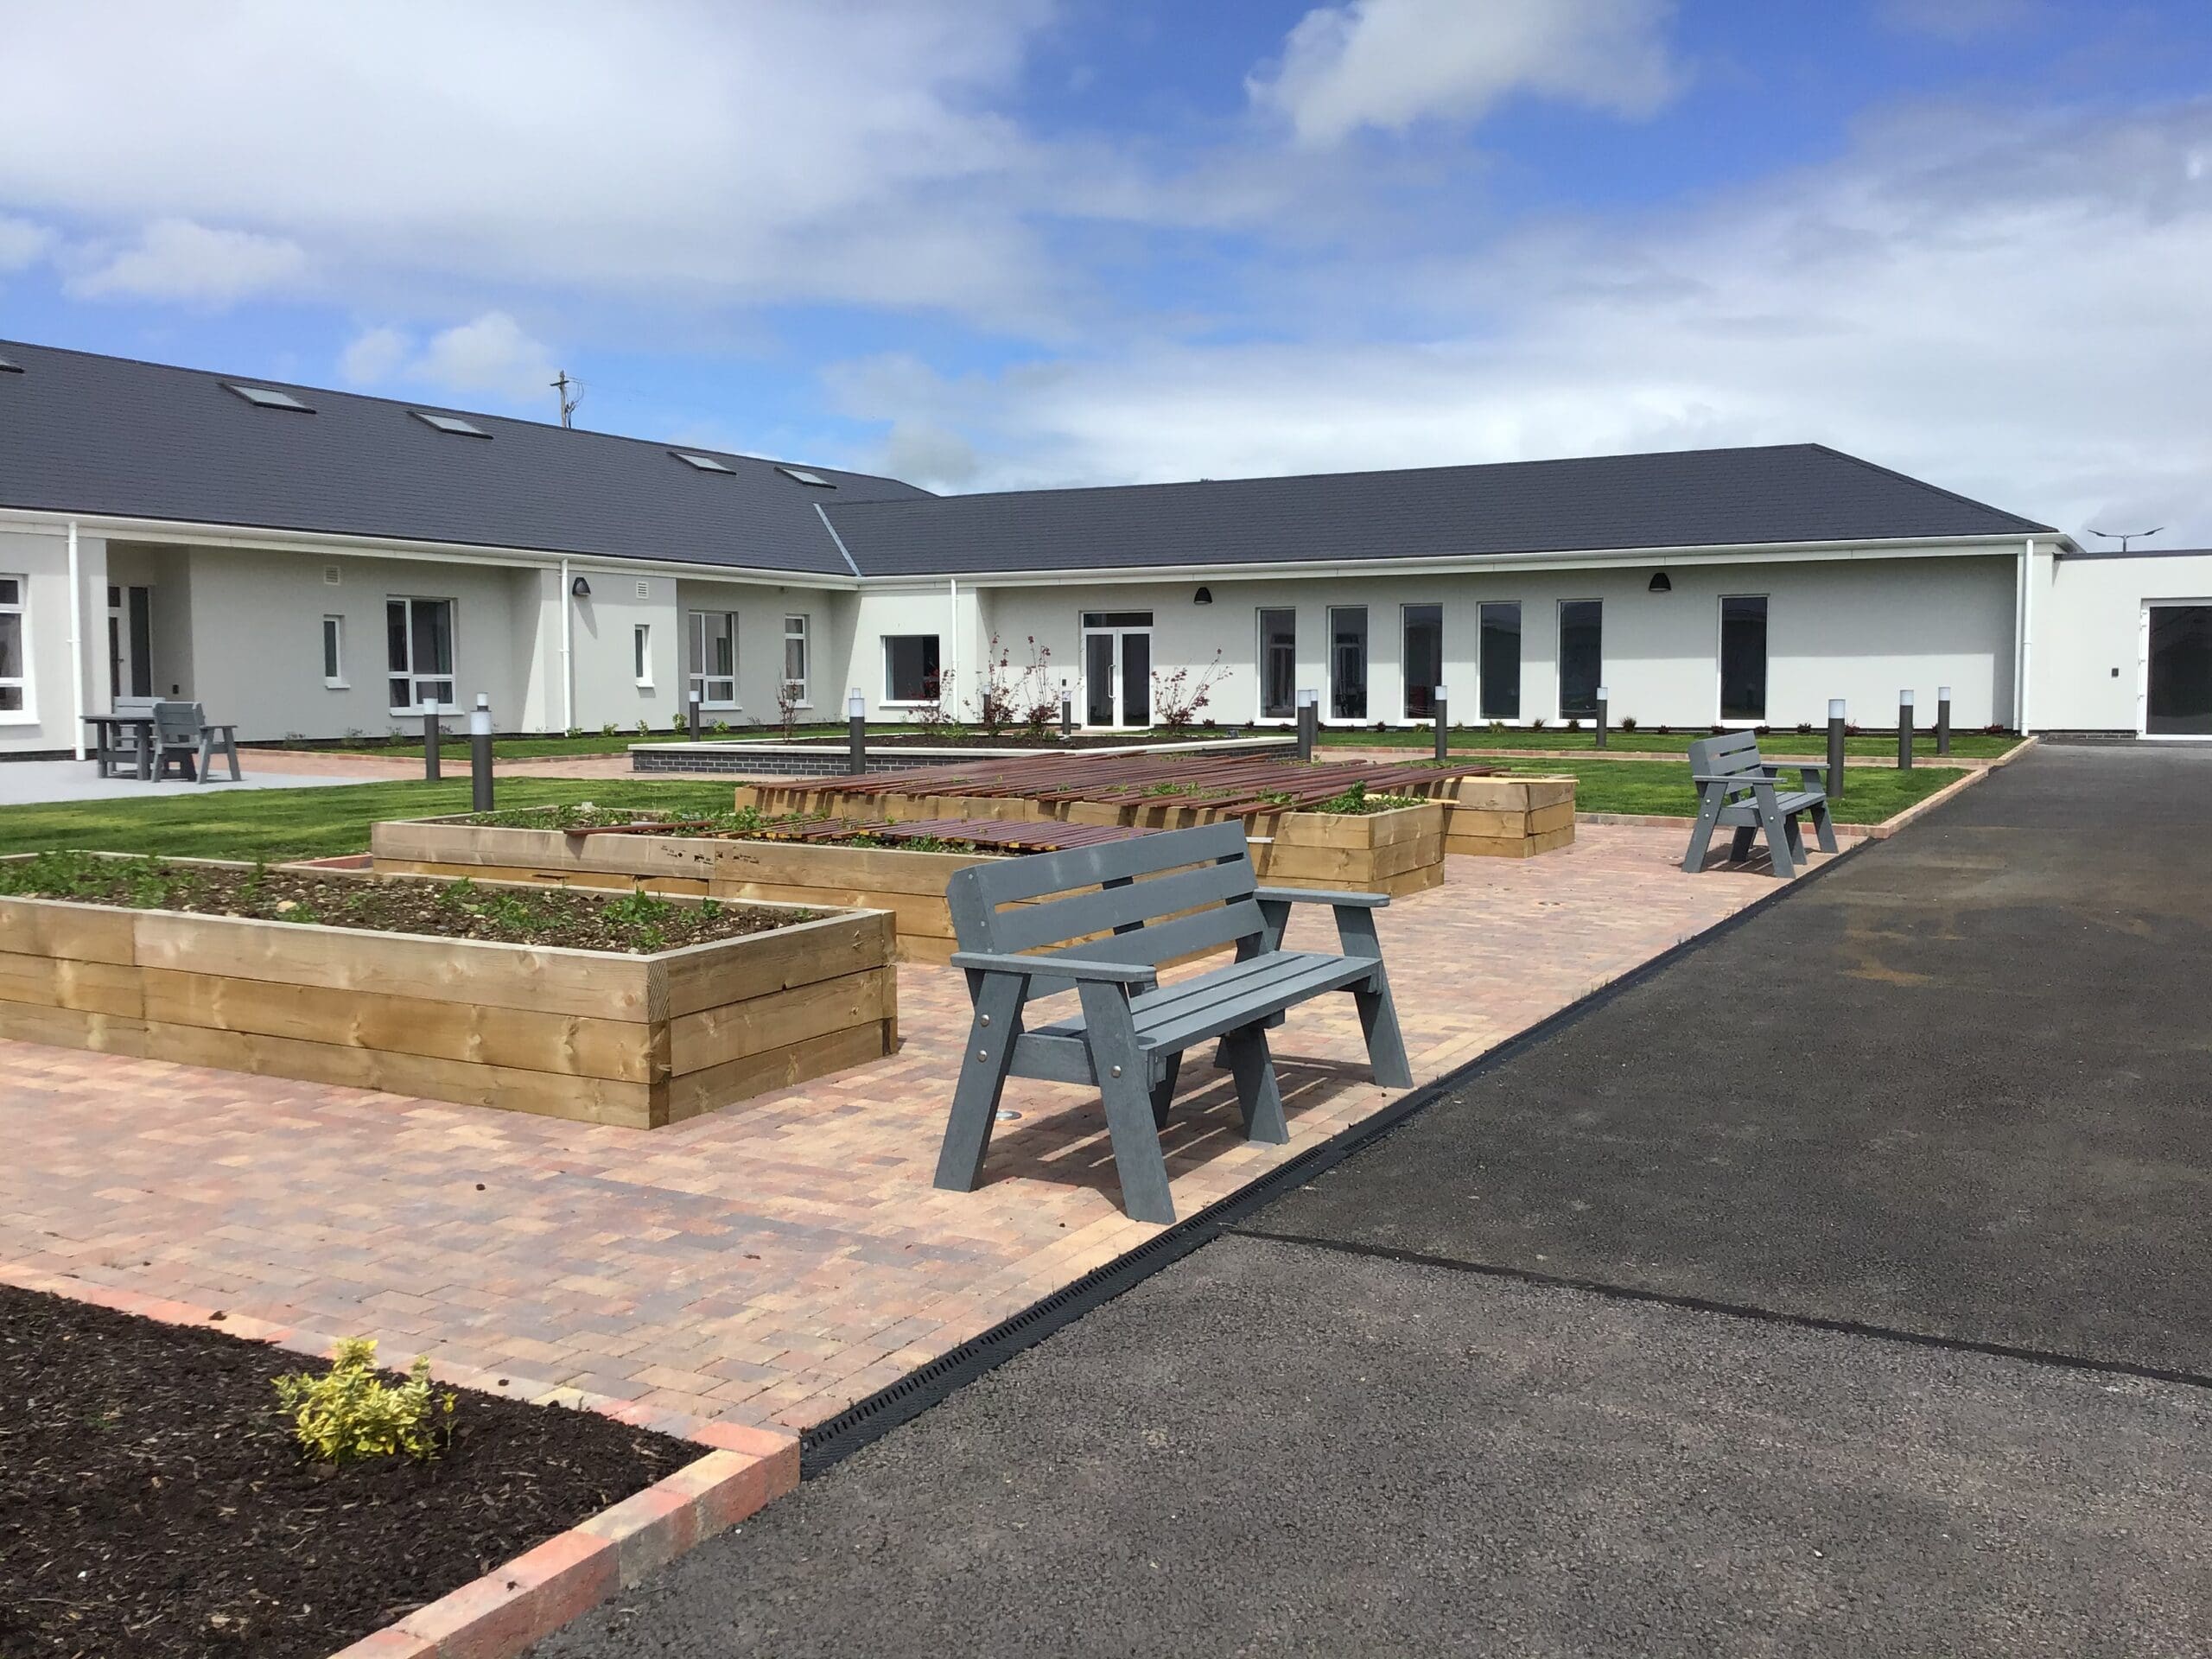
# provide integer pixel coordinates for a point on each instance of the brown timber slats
(977, 832)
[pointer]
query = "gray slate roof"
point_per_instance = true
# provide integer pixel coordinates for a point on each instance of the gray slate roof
(1702, 498)
(83, 432)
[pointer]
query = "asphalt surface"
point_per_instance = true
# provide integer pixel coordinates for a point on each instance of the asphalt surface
(1953, 1093)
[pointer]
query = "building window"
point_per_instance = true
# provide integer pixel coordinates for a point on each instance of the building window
(714, 658)
(641, 652)
(419, 642)
(15, 669)
(795, 663)
(1743, 657)
(1278, 664)
(1581, 657)
(1501, 661)
(1348, 662)
(333, 651)
(1423, 659)
(910, 668)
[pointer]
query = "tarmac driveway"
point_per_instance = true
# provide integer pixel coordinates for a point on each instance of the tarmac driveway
(1811, 1185)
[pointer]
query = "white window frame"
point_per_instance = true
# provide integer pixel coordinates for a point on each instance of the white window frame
(24, 682)
(698, 683)
(333, 651)
(451, 678)
(884, 649)
(641, 653)
(804, 632)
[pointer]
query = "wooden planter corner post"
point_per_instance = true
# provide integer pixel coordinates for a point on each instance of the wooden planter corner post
(597, 1036)
(908, 884)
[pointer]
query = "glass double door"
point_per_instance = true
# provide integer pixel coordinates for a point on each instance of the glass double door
(1117, 675)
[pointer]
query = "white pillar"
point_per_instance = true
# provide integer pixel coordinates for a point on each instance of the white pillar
(2027, 631)
(76, 645)
(567, 678)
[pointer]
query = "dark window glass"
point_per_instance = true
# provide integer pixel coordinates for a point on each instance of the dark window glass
(1278, 663)
(1424, 660)
(910, 667)
(1117, 618)
(1581, 657)
(2180, 670)
(1348, 662)
(1501, 662)
(1743, 658)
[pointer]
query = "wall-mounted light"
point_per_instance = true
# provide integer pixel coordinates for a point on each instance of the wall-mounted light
(1660, 584)
(1203, 596)
(581, 588)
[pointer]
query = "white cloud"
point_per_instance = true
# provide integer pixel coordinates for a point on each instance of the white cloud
(815, 149)
(1391, 63)
(373, 356)
(489, 356)
(22, 244)
(178, 259)
(2014, 311)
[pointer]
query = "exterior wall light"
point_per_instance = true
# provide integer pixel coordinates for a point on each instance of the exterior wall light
(1660, 584)
(1203, 596)
(580, 588)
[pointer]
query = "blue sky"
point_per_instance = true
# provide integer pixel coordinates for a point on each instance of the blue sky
(989, 244)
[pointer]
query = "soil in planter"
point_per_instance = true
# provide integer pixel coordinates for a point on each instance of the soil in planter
(153, 1503)
(635, 923)
(745, 823)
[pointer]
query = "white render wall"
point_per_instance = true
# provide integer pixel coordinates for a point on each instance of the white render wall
(1860, 630)
(2087, 666)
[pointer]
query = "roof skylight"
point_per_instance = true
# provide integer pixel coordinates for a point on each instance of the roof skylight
(704, 463)
(451, 423)
(267, 397)
(805, 477)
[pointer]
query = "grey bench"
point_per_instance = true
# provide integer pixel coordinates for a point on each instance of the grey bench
(1736, 788)
(182, 735)
(1154, 899)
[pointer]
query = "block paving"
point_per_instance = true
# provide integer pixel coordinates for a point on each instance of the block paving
(769, 1264)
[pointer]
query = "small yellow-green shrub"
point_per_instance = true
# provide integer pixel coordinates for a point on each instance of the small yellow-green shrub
(351, 1413)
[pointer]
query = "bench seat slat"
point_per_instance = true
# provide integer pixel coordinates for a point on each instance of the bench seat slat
(1190, 1011)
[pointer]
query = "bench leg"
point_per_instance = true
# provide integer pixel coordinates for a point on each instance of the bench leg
(1164, 1091)
(207, 755)
(1824, 828)
(1778, 834)
(1708, 815)
(982, 1079)
(1739, 844)
(231, 748)
(1378, 1013)
(1123, 1080)
(1796, 837)
(1255, 1086)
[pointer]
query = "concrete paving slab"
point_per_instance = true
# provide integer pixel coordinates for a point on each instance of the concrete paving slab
(1960, 1084)
(1275, 1449)
(24, 782)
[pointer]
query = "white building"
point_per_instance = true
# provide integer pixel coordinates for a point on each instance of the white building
(315, 563)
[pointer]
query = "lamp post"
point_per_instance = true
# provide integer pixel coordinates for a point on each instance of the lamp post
(1942, 720)
(430, 735)
(1605, 697)
(1443, 695)
(1835, 749)
(855, 732)
(1309, 716)
(1067, 710)
(1904, 731)
(480, 755)
(691, 729)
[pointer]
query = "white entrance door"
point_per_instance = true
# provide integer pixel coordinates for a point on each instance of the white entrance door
(1118, 667)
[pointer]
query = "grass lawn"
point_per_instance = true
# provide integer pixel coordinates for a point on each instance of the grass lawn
(542, 746)
(1812, 745)
(277, 824)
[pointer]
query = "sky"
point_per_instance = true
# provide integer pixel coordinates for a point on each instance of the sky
(1004, 243)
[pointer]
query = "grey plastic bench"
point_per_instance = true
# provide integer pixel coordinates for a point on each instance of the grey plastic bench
(1736, 788)
(182, 736)
(1130, 1037)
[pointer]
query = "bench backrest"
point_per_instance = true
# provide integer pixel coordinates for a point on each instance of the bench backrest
(1735, 754)
(177, 724)
(1137, 890)
(135, 707)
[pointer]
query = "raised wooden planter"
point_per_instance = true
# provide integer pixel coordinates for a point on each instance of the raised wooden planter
(1509, 817)
(598, 1036)
(909, 884)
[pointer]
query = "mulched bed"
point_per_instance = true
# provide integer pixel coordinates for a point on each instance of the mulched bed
(745, 824)
(152, 1502)
(635, 923)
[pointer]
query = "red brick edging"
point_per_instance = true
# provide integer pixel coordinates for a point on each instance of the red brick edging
(533, 1595)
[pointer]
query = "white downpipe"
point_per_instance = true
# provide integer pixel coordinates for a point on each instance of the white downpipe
(952, 633)
(2027, 631)
(76, 644)
(567, 678)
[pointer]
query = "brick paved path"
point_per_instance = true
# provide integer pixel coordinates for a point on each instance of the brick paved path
(770, 1264)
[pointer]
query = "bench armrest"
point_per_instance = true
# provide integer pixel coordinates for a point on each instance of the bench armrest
(1316, 896)
(1076, 967)
(1810, 773)
(1741, 780)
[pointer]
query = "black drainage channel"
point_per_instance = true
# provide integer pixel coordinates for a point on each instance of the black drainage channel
(831, 1441)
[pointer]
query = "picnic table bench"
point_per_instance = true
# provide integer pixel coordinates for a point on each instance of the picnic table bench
(1737, 788)
(150, 733)
(1100, 920)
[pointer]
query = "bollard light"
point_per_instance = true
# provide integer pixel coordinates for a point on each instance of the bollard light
(479, 754)
(855, 732)
(1835, 749)
(855, 705)
(431, 734)
(1942, 720)
(1905, 729)
(1443, 696)
(1605, 698)
(1309, 716)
